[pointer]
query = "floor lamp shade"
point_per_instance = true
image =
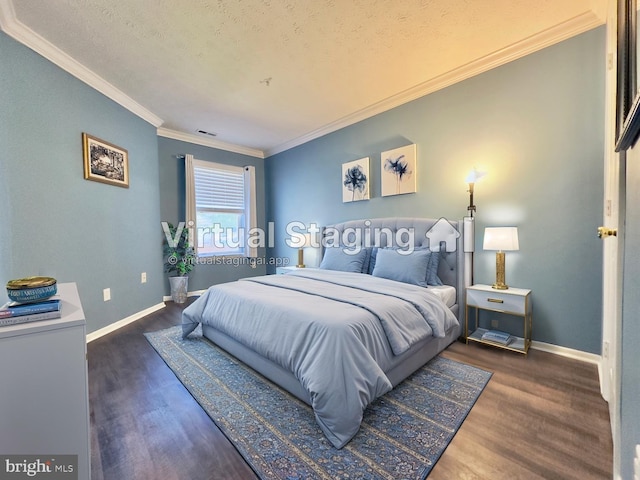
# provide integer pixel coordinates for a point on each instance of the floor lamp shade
(500, 239)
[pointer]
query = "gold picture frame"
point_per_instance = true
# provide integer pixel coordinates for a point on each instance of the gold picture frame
(105, 162)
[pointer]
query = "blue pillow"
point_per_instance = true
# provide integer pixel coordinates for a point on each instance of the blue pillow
(432, 269)
(402, 267)
(340, 258)
(367, 260)
(372, 260)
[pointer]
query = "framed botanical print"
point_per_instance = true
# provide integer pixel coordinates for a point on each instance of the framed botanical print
(355, 180)
(398, 171)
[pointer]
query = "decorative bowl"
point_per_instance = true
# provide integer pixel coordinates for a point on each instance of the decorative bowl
(31, 289)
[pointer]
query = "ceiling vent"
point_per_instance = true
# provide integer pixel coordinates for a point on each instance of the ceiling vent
(206, 133)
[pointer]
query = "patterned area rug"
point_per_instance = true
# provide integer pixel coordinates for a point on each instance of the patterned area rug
(402, 436)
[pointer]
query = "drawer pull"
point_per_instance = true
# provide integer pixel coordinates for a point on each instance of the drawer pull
(495, 300)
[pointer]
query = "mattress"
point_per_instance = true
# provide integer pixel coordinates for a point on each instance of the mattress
(446, 293)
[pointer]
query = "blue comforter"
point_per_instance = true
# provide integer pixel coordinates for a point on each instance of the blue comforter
(335, 331)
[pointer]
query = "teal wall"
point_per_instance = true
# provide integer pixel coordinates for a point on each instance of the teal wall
(172, 205)
(56, 223)
(536, 126)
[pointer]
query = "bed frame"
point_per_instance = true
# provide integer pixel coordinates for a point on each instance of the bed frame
(436, 234)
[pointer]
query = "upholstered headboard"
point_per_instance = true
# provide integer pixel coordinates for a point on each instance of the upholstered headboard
(437, 234)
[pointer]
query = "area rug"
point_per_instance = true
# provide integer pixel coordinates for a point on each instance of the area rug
(402, 435)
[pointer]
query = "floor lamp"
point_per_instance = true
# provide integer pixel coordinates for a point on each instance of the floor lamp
(469, 222)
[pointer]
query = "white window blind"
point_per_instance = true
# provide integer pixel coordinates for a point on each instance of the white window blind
(221, 206)
(219, 189)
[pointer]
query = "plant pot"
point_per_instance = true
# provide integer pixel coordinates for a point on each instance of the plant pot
(179, 287)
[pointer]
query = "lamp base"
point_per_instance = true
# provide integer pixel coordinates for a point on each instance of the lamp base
(500, 285)
(300, 259)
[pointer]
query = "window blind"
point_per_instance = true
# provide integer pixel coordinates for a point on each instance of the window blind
(220, 189)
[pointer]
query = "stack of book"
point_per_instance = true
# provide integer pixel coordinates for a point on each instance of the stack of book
(14, 312)
(496, 336)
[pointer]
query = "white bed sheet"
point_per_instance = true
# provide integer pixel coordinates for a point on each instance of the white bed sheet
(446, 293)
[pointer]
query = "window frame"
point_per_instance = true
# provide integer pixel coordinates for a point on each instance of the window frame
(245, 213)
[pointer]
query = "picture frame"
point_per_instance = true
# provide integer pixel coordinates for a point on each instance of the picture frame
(355, 180)
(105, 162)
(628, 93)
(398, 171)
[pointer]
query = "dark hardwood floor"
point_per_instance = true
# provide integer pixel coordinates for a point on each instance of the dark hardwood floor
(540, 416)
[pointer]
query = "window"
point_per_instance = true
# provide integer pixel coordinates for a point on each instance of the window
(221, 203)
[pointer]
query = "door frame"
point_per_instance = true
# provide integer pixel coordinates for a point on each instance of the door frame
(612, 247)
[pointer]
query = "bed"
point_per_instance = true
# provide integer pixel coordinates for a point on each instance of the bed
(339, 336)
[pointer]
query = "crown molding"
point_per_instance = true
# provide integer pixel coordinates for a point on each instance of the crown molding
(546, 38)
(23, 34)
(206, 142)
(20, 32)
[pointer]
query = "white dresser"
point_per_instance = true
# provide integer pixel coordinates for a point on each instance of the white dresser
(44, 400)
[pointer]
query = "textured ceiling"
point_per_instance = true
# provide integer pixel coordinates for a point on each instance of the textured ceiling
(265, 73)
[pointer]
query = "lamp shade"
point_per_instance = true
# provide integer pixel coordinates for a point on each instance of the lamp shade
(307, 240)
(501, 238)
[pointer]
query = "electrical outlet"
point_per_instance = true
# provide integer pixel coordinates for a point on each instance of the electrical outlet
(143, 277)
(106, 294)
(494, 323)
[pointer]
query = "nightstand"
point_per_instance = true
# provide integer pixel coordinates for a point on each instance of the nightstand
(513, 301)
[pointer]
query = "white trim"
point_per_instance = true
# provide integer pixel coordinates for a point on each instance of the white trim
(196, 293)
(567, 352)
(7, 14)
(551, 36)
(207, 142)
(23, 34)
(14, 28)
(121, 323)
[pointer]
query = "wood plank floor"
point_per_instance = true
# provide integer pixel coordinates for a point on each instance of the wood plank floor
(540, 417)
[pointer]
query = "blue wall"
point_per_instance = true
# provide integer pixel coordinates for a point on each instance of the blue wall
(536, 125)
(56, 223)
(172, 205)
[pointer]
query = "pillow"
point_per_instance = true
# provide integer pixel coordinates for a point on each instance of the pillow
(432, 277)
(372, 260)
(339, 258)
(367, 260)
(432, 269)
(406, 267)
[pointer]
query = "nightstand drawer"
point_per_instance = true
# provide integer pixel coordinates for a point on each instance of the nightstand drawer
(495, 300)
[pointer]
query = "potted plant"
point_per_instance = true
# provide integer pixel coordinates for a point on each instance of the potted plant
(179, 260)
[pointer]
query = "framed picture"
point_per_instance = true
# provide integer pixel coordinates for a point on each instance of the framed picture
(398, 171)
(355, 180)
(104, 162)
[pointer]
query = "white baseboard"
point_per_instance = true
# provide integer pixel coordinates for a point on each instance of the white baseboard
(196, 293)
(567, 352)
(121, 323)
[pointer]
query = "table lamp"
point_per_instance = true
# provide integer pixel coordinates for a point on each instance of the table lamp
(306, 243)
(501, 239)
